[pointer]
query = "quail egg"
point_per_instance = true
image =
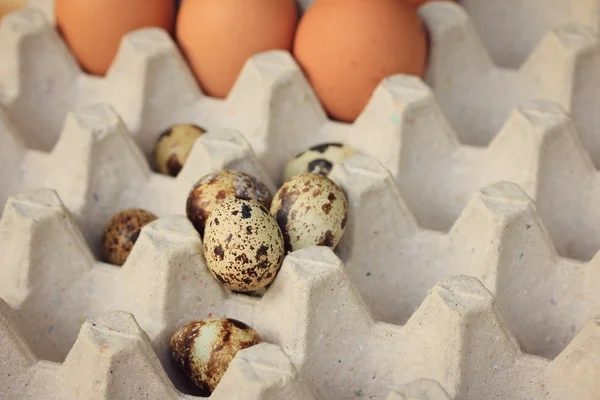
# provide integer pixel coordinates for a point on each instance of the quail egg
(243, 245)
(121, 233)
(318, 159)
(174, 146)
(204, 349)
(311, 210)
(215, 187)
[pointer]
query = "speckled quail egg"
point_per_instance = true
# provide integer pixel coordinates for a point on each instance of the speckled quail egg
(174, 146)
(311, 210)
(243, 245)
(318, 159)
(204, 349)
(121, 233)
(215, 187)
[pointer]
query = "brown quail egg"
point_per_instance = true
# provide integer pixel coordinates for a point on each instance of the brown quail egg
(204, 349)
(318, 159)
(121, 233)
(311, 210)
(215, 187)
(243, 245)
(174, 146)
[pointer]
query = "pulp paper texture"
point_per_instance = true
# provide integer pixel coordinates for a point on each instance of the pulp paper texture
(468, 269)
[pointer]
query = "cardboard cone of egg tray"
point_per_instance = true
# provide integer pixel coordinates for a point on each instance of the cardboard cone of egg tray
(462, 289)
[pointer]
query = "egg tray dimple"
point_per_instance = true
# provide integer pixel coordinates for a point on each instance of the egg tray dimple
(391, 261)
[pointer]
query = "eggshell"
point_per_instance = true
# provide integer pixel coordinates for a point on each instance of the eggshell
(173, 147)
(204, 349)
(121, 233)
(217, 186)
(347, 47)
(243, 245)
(311, 210)
(93, 28)
(318, 159)
(217, 37)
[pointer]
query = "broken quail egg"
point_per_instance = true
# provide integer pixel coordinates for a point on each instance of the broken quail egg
(243, 245)
(215, 187)
(311, 210)
(318, 159)
(204, 349)
(174, 146)
(121, 233)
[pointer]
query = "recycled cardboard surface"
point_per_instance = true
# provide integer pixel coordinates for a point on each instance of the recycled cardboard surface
(460, 289)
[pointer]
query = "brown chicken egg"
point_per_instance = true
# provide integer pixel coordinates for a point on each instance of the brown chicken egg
(347, 47)
(204, 349)
(217, 37)
(93, 28)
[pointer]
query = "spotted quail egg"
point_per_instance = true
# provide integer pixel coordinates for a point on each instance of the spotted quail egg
(243, 245)
(174, 146)
(215, 187)
(204, 349)
(311, 210)
(121, 233)
(318, 159)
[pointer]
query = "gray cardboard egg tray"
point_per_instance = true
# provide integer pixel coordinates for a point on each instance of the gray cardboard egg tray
(449, 282)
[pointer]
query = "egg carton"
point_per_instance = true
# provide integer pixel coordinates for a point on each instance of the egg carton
(338, 317)
(97, 169)
(151, 87)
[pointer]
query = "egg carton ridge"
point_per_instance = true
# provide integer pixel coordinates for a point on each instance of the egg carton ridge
(477, 96)
(500, 23)
(498, 238)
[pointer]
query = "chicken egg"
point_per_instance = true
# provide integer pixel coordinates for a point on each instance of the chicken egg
(217, 37)
(93, 28)
(347, 47)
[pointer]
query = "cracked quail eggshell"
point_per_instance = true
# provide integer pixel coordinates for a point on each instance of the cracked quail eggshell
(243, 245)
(319, 159)
(204, 349)
(174, 146)
(121, 233)
(311, 210)
(213, 188)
